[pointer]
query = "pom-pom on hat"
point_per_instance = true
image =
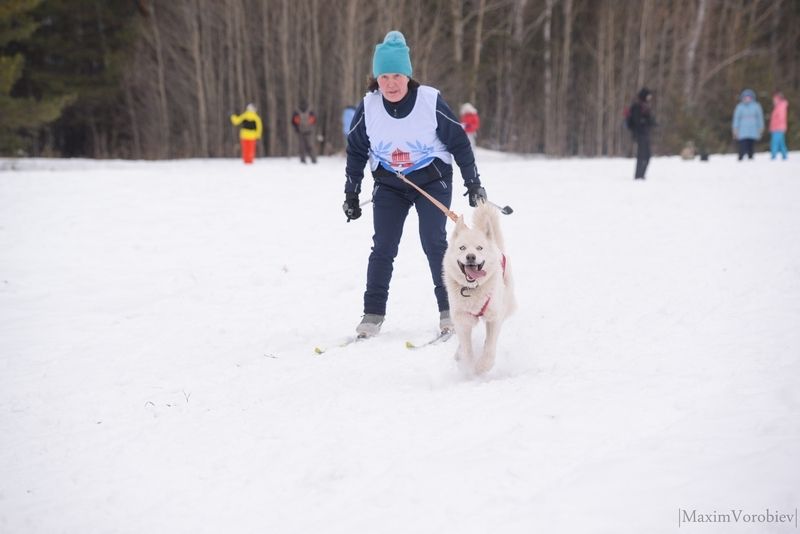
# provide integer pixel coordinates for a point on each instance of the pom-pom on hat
(392, 56)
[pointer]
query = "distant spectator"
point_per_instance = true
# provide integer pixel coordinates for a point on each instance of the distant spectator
(347, 119)
(640, 120)
(471, 122)
(305, 122)
(249, 133)
(778, 124)
(748, 123)
(689, 151)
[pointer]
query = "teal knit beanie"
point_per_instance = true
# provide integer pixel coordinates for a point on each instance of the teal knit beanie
(392, 56)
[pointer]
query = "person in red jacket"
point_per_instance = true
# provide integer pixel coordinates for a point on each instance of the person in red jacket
(470, 121)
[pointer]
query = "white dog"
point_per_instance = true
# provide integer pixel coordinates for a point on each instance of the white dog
(479, 284)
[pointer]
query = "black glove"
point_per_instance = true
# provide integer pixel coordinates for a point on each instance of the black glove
(350, 207)
(475, 193)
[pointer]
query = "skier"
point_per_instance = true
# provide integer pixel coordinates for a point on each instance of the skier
(402, 126)
(305, 121)
(249, 133)
(748, 123)
(777, 125)
(640, 120)
(471, 122)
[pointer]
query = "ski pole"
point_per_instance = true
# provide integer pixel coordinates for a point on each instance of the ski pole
(506, 210)
(453, 216)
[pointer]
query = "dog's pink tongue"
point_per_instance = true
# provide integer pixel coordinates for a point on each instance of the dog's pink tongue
(474, 273)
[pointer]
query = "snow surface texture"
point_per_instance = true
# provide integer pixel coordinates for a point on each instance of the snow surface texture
(157, 373)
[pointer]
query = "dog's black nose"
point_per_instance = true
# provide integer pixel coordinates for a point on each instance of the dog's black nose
(470, 258)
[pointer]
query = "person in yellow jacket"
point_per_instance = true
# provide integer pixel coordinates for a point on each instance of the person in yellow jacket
(249, 133)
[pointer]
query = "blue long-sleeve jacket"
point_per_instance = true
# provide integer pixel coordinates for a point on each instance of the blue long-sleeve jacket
(748, 118)
(448, 129)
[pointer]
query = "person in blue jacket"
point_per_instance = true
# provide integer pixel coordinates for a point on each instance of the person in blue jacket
(748, 123)
(347, 119)
(402, 126)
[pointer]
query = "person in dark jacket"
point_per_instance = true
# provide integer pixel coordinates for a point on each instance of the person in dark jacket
(640, 121)
(305, 122)
(402, 126)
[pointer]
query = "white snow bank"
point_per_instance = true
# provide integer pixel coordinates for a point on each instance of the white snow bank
(157, 322)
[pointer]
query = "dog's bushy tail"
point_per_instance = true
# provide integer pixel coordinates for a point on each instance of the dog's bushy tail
(485, 218)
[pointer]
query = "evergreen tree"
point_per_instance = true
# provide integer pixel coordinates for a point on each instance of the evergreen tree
(21, 114)
(81, 52)
(59, 76)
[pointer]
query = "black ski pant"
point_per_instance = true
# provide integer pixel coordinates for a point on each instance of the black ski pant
(390, 206)
(746, 146)
(307, 147)
(642, 154)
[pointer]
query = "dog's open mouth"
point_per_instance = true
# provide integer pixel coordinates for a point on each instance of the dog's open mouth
(472, 271)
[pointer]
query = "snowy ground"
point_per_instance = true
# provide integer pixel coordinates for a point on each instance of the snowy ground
(157, 373)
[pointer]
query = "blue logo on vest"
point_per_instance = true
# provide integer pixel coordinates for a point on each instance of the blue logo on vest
(400, 159)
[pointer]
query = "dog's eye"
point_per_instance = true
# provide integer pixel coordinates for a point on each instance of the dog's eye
(462, 247)
(479, 247)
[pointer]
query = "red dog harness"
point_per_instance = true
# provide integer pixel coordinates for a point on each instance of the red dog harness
(488, 300)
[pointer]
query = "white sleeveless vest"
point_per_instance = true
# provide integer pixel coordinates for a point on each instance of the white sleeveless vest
(404, 143)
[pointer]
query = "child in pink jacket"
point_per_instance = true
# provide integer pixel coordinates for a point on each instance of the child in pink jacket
(777, 125)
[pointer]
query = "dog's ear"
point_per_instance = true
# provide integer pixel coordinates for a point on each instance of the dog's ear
(460, 225)
(485, 226)
(488, 229)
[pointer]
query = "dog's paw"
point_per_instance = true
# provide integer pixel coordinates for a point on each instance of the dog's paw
(484, 364)
(463, 356)
(466, 366)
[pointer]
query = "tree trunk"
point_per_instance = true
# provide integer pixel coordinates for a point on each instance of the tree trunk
(562, 119)
(600, 62)
(456, 11)
(164, 132)
(283, 32)
(548, 79)
(476, 57)
(642, 71)
(193, 16)
(691, 52)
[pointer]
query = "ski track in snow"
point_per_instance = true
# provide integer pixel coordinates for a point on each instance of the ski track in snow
(157, 373)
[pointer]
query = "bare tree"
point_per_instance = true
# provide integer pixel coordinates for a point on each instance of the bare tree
(691, 52)
(562, 119)
(162, 84)
(549, 76)
(549, 115)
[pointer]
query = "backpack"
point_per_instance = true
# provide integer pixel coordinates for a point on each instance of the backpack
(626, 113)
(306, 121)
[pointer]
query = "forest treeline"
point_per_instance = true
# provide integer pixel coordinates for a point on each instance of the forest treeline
(158, 79)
